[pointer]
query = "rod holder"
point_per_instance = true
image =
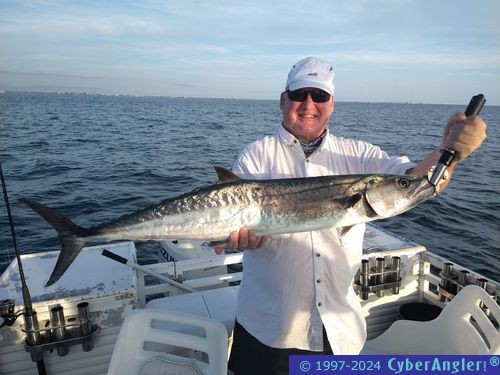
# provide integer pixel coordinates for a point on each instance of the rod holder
(396, 266)
(59, 332)
(364, 278)
(463, 277)
(58, 324)
(33, 334)
(85, 326)
(483, 283)
(379, 278)
(446, 286)
(453, 281)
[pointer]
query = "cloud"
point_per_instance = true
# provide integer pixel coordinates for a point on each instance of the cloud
(245, 46)
(422, 60)
(70, 26)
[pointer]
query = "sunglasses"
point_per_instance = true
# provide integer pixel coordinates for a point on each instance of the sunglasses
(317, 96)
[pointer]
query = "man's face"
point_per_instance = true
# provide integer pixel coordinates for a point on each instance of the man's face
(305, 120)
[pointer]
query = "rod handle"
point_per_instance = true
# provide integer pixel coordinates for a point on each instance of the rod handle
(475, 106)
(114, 256)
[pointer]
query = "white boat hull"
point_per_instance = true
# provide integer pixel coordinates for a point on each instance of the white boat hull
(113, 289)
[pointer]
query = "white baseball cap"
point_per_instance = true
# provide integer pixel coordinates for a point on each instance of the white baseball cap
(311, 72)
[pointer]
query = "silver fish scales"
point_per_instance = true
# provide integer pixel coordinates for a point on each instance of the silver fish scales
(266, 206)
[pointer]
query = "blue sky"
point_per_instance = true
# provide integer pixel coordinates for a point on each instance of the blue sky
(382, 50)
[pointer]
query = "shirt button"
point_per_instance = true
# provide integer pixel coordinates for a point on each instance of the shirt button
(320, 304)
(318, 255)
(318, 281)
(307, 160)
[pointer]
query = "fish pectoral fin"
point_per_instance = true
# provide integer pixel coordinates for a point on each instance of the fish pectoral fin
(352, 200)
(225, 175)
(343, 230)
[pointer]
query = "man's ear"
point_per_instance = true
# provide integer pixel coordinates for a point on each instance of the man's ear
(282, 100)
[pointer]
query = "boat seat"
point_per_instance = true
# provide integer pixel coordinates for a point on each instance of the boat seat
(144, 347)
(461, 328)
(218, 304)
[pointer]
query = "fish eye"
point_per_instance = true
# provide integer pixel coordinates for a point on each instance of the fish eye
(404, 183)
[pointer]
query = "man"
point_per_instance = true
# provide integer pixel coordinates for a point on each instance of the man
(296, 296)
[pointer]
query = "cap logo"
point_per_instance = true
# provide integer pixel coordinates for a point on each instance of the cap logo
(310, 72)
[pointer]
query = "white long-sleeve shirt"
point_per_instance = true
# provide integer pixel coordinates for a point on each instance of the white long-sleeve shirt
(296, 283)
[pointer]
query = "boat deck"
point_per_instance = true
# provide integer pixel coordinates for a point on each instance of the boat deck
(113, 290)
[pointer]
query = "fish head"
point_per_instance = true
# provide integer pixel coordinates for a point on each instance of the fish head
(391, 195)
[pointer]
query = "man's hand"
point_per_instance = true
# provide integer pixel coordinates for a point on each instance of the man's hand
(463, 134)
(244, 239)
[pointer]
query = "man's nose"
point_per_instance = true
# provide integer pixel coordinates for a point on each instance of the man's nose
(308, 102)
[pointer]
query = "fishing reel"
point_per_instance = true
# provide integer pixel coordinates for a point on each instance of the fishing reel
(7, 312)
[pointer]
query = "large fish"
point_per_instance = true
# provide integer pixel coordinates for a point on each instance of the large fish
(266, 206)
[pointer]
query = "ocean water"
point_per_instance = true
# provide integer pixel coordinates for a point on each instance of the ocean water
(95, 158)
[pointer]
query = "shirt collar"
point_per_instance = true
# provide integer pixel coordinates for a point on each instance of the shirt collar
(291, 141)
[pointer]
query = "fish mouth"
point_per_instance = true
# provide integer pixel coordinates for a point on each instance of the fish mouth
(375, 207)
(423, 186)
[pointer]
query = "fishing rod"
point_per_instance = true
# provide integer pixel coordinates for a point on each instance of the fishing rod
(475, 105)
(30, 317)
(138, 267)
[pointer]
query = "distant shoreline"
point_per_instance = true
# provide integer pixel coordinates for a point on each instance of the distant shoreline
(75, 93)
(62, 93)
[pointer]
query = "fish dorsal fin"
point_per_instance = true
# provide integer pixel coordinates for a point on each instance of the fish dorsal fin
(225, 175)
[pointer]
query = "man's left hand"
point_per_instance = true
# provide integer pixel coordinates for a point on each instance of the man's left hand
(464, 134)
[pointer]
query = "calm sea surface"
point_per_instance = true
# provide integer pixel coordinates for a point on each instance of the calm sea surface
(95, 158)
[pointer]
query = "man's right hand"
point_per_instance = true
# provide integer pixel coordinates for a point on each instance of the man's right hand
(243, 239)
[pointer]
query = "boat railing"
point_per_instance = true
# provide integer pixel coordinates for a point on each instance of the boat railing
(418, 276)
(444, 279)
(425, 275)
(231, 274)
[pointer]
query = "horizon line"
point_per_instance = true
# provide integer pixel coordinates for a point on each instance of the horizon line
(85, 93)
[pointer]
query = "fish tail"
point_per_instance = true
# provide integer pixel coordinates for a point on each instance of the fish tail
(71, 237)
